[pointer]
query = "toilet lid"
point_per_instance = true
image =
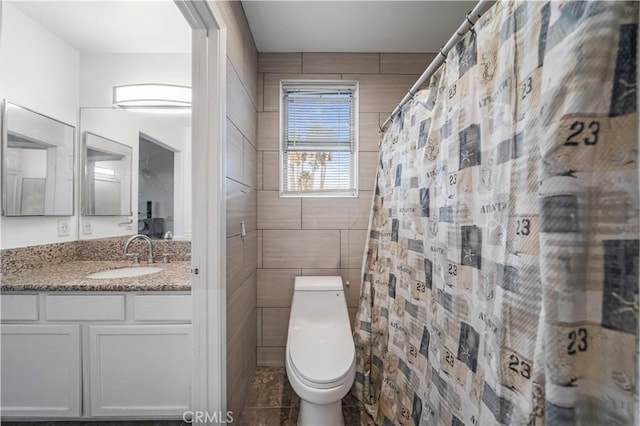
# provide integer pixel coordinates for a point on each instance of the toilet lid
(323, 354)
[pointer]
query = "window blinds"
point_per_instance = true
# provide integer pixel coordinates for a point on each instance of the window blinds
(319, 147)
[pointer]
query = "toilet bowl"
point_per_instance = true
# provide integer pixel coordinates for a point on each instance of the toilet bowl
(320, 354)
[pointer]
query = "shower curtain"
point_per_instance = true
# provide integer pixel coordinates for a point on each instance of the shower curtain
(500, 279)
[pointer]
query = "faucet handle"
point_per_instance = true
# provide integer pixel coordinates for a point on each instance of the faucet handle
(166, 257)
(135, 257)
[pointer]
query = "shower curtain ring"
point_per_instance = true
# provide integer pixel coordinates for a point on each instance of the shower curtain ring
(471, 24)
(443, 55)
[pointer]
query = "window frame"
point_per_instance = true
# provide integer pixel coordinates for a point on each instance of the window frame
(319, 84)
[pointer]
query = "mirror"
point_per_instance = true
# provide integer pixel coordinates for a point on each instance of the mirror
(160, 177)
(107, 177)
(38, 166)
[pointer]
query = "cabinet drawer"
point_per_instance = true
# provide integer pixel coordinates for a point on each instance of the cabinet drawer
(162, 307)
(84, 308)
(23, 307)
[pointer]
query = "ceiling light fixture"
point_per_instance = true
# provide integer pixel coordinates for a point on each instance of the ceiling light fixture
(152, 96)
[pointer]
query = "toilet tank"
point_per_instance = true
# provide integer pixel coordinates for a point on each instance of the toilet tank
(318, 284)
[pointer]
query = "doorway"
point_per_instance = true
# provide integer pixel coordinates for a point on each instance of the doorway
(156, 181)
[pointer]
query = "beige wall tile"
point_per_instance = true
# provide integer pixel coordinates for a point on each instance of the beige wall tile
(272, 86)
(270, 171)
(336, 213)
(405, 63)
(251, 218)
(301, 249)
(280, 62)
(249, 344)
(250, 254)
(352, 291)
(234, 373)
(268, 131)
(275, 212)
(369, 132)
(235, 50)
(234, 152)
(367, 168)
(242, 91)
(271, 357)
(234, 264)
(380, 92)
(324, 272)
(352, 248)
(240, 311)
(260, 105)
(241, 207)
(259, 248)
(259, 170)
(275, 326)
(250, 73)
(352, 316)
(351, 63)
(259, 326)
(250, 175)
(240, 109)
(384, 116)
(275, 287)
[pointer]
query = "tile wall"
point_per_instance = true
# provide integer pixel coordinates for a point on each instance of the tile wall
(317, 236)
(242, 128)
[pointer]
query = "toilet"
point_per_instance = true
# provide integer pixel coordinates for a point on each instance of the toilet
(320, 354)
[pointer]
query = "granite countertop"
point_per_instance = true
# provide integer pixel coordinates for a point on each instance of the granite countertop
(71, 276)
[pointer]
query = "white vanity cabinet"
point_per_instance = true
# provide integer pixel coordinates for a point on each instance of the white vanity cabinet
(118, 355)
(41, 370)
(139, 370)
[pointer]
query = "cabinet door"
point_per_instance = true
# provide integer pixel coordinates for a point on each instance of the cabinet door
(140, 370)
(41, 370)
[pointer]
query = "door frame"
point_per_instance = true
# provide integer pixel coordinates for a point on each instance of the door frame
(208, 244)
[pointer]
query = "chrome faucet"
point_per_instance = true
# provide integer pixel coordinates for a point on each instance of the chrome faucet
(142, 237)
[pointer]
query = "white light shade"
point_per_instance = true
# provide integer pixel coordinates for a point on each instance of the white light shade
(152, 96)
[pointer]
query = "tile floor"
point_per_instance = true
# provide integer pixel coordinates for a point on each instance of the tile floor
(271, 402)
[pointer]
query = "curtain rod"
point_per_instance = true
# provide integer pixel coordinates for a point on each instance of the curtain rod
(469, 22)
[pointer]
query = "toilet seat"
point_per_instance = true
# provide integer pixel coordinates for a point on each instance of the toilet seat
(323, 356)
(315, 383)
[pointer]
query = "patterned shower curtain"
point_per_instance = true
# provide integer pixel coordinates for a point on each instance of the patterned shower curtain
(501, 271)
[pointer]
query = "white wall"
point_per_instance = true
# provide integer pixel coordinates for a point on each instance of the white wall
(40, 72)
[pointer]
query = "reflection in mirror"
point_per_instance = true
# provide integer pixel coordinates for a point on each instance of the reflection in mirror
(107, 183)
(155, 188)
(38, 165)
(161, 178)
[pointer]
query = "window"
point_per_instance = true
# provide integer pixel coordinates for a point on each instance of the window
(318, 138)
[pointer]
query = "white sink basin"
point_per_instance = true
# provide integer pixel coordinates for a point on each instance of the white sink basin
(133, 271)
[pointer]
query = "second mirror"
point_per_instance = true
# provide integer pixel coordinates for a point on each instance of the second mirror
(107, 177)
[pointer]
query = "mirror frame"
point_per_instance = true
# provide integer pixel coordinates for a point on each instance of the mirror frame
(4, 135)
(83, 180)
